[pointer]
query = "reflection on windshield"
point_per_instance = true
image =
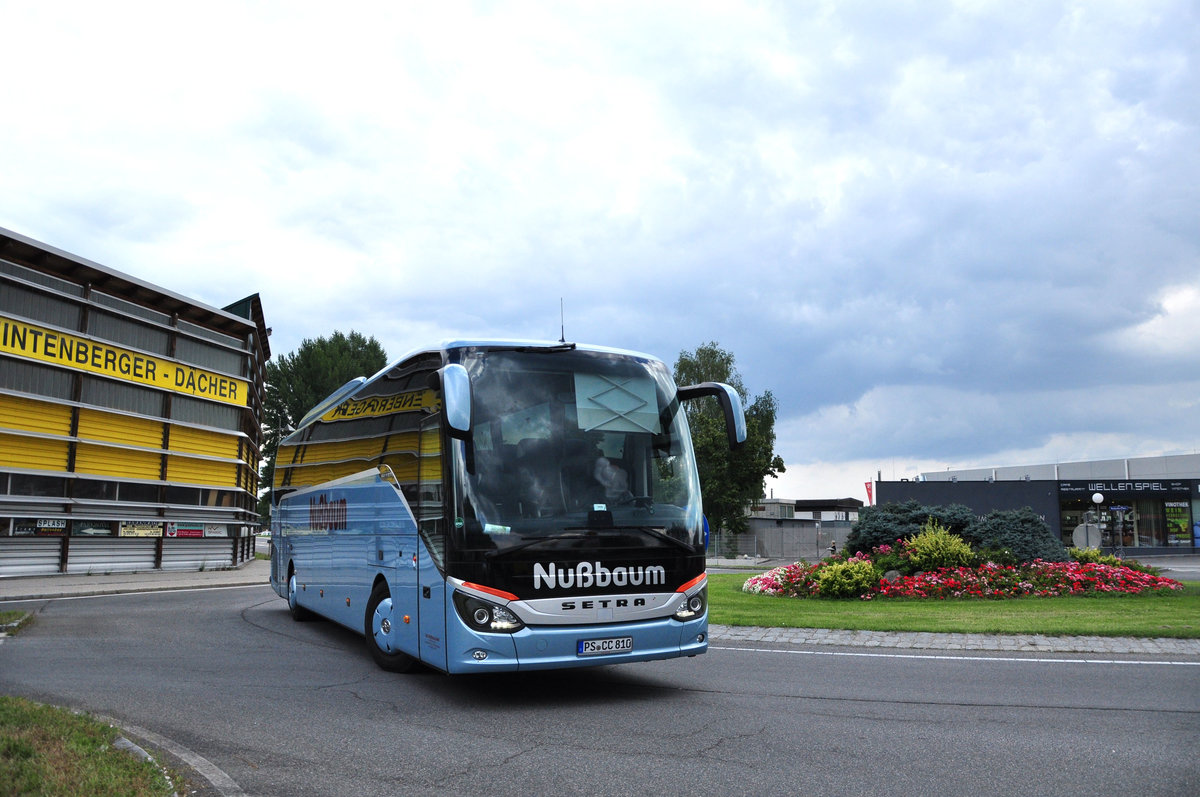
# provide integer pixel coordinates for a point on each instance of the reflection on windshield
(567, 442)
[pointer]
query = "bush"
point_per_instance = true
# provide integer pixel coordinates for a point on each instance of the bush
(1093, 556)
(1018, 530)
(847, 579)
(883, 525)
(936, 547)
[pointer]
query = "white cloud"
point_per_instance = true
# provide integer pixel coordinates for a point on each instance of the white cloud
(947, 233)
(1173, 330)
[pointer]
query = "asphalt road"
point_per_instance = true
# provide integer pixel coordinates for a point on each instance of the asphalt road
(276, 707)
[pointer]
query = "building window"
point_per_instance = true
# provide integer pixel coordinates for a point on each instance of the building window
(218, 498)
(41, 486)
(1179, 523)
(95, 490)
(139, 493)
(1129, 523)
(183, 496)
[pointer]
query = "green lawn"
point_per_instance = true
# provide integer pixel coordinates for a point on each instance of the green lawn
(51, 751)
(1175, 615)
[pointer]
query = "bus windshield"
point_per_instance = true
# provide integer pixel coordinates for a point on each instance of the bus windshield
(574, 444)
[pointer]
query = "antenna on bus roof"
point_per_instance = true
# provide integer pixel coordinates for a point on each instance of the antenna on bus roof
(562, 337)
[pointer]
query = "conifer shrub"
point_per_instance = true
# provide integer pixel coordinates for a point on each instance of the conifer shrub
(1020, 531)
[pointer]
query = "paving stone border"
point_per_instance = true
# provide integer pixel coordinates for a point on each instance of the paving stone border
(936, 641)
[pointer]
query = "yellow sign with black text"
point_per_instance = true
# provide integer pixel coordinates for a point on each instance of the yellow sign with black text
(32, 342)
(375, 406)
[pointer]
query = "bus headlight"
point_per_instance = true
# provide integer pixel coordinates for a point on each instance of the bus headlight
(481, 615)
(693, 606)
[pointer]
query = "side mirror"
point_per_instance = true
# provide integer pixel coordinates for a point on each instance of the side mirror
(456, 398)
(731, 405)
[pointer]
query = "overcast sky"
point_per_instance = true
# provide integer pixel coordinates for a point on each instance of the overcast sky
(942, 234)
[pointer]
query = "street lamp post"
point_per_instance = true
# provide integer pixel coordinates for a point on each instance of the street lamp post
(1098, 499)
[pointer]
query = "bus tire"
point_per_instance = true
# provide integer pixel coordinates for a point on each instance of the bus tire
(298, 612)
(377, 629)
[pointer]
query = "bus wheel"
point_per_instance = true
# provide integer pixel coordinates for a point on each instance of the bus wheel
(381, 635)
(299, 613)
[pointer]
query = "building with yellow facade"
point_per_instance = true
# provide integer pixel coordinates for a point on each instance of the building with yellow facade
(129, 419)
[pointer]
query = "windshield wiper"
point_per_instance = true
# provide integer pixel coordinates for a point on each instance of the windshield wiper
(653, 532)
(532, 542)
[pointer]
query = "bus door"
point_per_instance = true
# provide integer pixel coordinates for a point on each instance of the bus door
(393, 554)
(431, 546)
(394, 557)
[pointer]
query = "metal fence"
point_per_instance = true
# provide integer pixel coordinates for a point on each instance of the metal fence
(808, 542)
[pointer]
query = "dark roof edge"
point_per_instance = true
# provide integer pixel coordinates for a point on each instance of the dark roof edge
(45, 257)
(845, 503)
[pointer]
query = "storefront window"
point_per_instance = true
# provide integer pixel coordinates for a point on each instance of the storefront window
(1132, 514)
(1179, 523)
(1082, 526)
(1149, 524)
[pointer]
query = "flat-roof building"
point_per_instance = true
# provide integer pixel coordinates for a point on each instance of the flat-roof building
(784, 528)
(1141, 505)
(129, 416)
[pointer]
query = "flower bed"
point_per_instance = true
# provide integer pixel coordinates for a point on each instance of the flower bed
(990, 580)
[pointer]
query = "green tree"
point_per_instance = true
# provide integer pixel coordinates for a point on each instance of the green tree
(729, 480)
(297, 381)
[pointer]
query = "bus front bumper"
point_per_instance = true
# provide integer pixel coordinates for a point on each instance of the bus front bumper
(560, 647)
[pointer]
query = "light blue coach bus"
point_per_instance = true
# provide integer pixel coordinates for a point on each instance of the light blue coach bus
(484, 506)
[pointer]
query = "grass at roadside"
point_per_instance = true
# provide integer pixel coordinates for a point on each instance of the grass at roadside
(1174, 615)
(9, 616)
(51, 751)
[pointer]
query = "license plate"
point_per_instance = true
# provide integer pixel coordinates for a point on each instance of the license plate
(602, 647)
